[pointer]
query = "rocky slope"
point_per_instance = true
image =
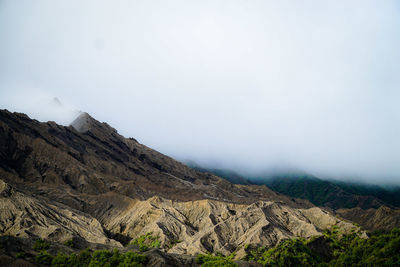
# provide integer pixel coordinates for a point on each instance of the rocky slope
(28, 217)
(383, 218)
(68, 164)
(211, 226)
(200, 226)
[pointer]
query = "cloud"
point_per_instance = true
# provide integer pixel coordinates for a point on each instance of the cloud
(245, 85)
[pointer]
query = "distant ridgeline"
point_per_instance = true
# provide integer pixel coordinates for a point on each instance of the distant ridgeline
(227, 174)
(333, 194)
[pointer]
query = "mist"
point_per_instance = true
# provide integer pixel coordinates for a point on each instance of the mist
(246, 85)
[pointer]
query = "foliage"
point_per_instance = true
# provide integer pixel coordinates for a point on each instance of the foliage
(334, 193)
(41, 244)
(292, 252)
(60, 260)
(147, 241)
(133, 259)
(20, 255)
(215, 261)
(43, 257)
(173, 243)
(100, 258)
(86, 258)
(381, 249)
(69, 243)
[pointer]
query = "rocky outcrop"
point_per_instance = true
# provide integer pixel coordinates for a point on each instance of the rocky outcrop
(215, 226)
(383, 218)
(27, 217)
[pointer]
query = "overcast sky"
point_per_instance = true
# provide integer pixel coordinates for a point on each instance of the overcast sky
(249, 85)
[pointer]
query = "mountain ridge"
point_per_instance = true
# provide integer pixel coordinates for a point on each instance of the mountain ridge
(97, 178)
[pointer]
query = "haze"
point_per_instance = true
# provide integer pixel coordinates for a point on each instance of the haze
(247, 85)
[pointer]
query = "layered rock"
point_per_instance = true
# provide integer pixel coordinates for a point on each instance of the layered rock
(383, 218)
(183, 227)
(215, 226)
(27, 217)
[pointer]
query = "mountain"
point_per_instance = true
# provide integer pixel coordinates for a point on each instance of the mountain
(88, 184)
(90, 158)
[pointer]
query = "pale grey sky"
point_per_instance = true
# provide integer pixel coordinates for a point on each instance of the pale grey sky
(248, 85)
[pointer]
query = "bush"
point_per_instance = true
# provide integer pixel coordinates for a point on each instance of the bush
(41, 244)
(133, 259)
(215, 261)
(88, 259)
(20, 255)
(60, 260)
(288, 253)
(84, 257)
(147, 241)
(43, 257)
(100, 258)
(69, 243)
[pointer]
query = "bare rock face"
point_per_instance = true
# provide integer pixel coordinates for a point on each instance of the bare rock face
(183, 227)
(24, 216)
(214, 226)
(383, 218)
(82, 123)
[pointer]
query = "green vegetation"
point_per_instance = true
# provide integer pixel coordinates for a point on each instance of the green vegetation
(69, 243)
(43, 257)
(173, 243)
(86, 258)
(381, 249)
(335, 194)
(292, 252)
(146, 242)
(41, 244)
(331, 249)
(215, 261)
(20, 255)
(345, 250)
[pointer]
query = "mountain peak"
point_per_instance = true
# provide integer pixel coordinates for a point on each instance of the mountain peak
(83, 122)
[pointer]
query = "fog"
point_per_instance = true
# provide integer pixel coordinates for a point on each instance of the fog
(247, 85)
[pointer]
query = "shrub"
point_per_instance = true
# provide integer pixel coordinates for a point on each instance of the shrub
(133, 259)
(60, 260)
(41, 244)
(88, 259)
(20, 255)
(100, 258)
(69, 243)
(43, 257)
(84, 257)
(147, 241)
(215, 261)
